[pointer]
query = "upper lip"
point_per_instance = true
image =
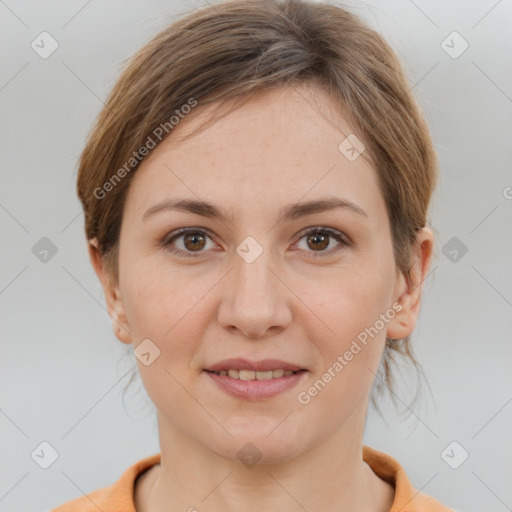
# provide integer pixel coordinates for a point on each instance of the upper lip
(257, 366)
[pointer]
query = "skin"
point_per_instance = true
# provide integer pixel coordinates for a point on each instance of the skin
(279, 148)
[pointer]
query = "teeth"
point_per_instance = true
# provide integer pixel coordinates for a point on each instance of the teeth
(252, 375)
(233, 374)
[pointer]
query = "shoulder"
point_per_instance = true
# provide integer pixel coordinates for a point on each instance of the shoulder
(118, 497)
(407, 498)
(85, 503)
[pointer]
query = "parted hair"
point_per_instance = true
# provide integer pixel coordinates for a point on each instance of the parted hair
(220, 55)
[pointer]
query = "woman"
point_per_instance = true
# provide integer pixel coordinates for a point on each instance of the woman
(255, 195)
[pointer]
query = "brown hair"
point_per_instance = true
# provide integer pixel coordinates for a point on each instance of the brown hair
(232, 49)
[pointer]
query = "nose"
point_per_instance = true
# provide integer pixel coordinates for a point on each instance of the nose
(256, 300)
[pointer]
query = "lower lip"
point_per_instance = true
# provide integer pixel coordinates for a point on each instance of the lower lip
(256, 389)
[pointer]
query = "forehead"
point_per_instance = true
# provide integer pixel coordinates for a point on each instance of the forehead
(280, 144)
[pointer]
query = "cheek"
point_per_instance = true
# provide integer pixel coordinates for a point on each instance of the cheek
(170, 309)
(349, 357)
(163, 309)
(348, 301)
(347, 330)
(159, 301)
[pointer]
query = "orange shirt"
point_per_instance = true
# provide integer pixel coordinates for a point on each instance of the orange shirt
(119, 497)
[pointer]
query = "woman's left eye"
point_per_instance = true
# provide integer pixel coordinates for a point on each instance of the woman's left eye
(319, 239)
(194, 240)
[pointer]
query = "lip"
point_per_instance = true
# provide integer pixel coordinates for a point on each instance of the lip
(256, 389)
(257, 366)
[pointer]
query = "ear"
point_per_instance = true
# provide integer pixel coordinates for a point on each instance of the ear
(408, 290)
(113, 297)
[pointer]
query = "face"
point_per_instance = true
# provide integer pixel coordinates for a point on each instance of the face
(260, 281)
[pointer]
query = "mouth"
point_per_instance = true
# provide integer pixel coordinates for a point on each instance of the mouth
(243, 374)
(255, 385)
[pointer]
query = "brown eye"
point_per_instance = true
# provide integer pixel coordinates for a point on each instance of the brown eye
(194, 241)
(318, 241)
(188, 242)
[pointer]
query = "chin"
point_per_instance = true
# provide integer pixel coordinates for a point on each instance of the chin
(265, 442)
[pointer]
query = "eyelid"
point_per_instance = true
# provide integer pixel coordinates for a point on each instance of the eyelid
(344, 242)
(174, 235)
(184, 231)
(325, 229)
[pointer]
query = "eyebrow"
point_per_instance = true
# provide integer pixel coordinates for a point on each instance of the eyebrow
(289, 212)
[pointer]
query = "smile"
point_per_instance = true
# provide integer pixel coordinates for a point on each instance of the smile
(253, 385)
(253, 375)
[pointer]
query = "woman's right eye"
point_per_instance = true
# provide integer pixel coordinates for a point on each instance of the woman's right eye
(192, 240)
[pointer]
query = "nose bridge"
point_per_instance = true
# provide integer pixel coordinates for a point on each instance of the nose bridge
(252, 278)
(255, 302)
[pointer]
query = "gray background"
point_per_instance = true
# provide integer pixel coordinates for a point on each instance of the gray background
(63, 370)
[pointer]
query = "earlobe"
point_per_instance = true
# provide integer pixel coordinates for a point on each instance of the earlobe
(399, 326)
(113, 298)
(409, 289)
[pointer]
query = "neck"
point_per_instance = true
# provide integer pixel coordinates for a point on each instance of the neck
(331, 476)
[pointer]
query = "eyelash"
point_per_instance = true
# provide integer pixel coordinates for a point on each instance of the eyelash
(344, 242)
